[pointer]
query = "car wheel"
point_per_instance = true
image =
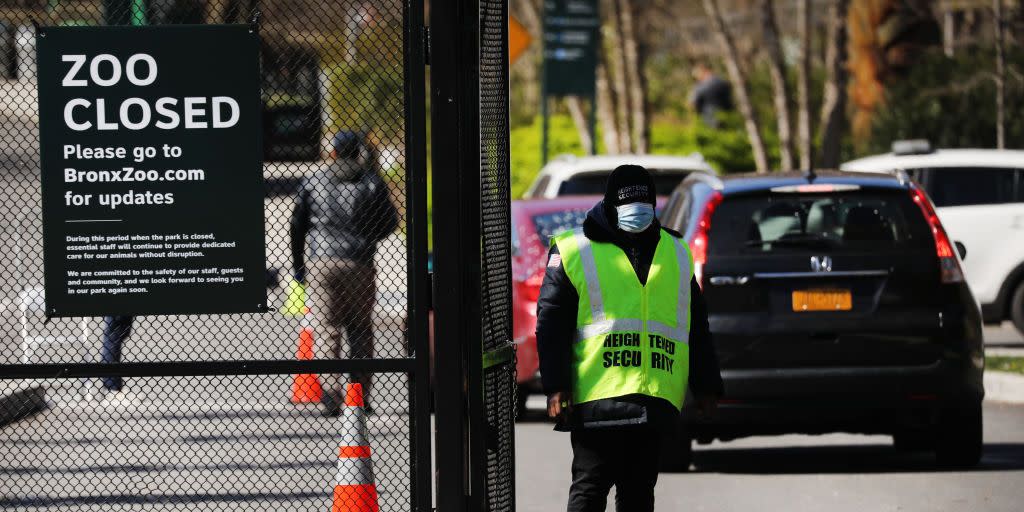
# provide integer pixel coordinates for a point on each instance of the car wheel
(1017, 308)
(676, 453)
(958, 441)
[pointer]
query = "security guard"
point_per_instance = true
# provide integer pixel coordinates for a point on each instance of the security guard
(621, 330)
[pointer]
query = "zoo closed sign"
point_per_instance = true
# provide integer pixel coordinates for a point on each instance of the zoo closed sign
(152, 184)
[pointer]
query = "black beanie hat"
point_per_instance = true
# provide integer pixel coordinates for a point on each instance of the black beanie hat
(629, 184)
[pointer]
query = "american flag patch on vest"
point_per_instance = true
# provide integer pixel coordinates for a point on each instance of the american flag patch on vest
(555, 260)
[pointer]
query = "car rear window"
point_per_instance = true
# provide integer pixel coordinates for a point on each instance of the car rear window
(594, 183)
(552, 223)
(965, 186)
(854, 221)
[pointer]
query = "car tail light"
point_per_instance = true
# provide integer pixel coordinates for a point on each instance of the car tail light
(699, 245)
(949, 265)
(529, 289)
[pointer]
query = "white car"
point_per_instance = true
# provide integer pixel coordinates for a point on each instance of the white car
(569, 175)
(979, 196)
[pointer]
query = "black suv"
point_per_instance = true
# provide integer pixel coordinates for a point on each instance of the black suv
(837, 304)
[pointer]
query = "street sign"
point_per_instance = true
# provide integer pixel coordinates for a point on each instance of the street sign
(518, 39)
(571, 42)
(152, 184)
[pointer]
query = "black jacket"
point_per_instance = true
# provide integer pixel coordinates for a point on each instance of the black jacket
(557, 308)
(343, 210)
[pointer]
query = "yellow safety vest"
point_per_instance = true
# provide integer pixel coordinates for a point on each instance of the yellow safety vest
(630, 338)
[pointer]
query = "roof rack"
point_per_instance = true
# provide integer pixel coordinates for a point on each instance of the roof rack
(912, 147)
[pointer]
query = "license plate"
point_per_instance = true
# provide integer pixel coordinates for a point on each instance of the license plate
(822, 300)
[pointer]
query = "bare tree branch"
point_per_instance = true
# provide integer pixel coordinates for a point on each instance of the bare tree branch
(833, 108)
(606, 109)
(739, 80)
(999, 22)
(803, 82)
(634, 71)
(620, 79)
(780, 88)
(579, 119)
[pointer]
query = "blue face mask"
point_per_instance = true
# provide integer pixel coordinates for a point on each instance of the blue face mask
(635, 217)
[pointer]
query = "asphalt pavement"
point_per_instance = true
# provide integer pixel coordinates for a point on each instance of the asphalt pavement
(835, 473)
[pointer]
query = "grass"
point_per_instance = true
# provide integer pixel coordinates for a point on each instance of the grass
(1005, 364)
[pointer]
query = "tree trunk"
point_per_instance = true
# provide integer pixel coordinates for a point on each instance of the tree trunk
(948, 31)
(780, 88)
(1000, 76)
(579, 118)
(619, 75)
(531, 18)
(528, 66)
(606, 111)
(833, 107)
(635, 77)
(739, 81)
(803, 15)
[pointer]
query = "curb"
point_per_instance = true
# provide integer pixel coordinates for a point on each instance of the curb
(21, 403)
(1004, 387)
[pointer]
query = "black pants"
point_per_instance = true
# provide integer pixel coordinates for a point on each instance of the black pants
(626, 457)
(115, 330)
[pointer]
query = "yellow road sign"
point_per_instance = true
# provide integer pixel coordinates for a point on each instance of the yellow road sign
(518, 39)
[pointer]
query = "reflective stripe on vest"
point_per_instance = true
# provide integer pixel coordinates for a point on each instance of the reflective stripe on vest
(600, 325)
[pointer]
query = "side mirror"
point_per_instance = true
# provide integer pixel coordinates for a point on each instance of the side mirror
(961, 248)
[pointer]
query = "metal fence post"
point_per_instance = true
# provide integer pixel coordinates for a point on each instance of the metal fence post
(455, 160)
(474, 359)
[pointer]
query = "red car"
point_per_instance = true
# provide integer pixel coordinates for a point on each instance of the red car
(534, 222)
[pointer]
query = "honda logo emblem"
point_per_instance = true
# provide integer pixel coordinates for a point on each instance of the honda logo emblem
(821, 263)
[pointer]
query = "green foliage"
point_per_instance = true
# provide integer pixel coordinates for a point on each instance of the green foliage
(951, 102)
(367, 91)
(726, 149)
(525, 142)
(1005, 364)
(363, 96)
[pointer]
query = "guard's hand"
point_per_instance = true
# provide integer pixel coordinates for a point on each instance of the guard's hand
(707, 406)
(559, 403)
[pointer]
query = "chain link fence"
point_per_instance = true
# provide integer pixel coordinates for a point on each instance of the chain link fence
(214, 412)
(496, 266)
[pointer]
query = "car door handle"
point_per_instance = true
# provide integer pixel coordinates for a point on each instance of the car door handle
(728, 280)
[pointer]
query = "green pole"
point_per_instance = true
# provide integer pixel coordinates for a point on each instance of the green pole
(593, 123)
(543, 111)
(138, 12)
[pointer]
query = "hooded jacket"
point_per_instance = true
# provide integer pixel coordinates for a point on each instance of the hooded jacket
(343, 210)
(557, 308)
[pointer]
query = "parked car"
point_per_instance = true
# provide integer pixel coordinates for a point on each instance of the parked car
(837, 303)
(534, 222)
(570, 175)
(979, 196)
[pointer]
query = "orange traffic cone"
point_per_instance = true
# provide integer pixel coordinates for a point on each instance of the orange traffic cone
(305, 386)
(354, 487)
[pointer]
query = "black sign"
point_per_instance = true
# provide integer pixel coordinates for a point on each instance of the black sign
(152, 184)
(571, 42)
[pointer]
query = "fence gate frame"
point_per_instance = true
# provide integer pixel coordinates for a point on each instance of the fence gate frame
(474, 355)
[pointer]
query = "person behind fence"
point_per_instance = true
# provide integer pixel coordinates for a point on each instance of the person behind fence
(116, 329)
(342, 212)
(622, 329)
